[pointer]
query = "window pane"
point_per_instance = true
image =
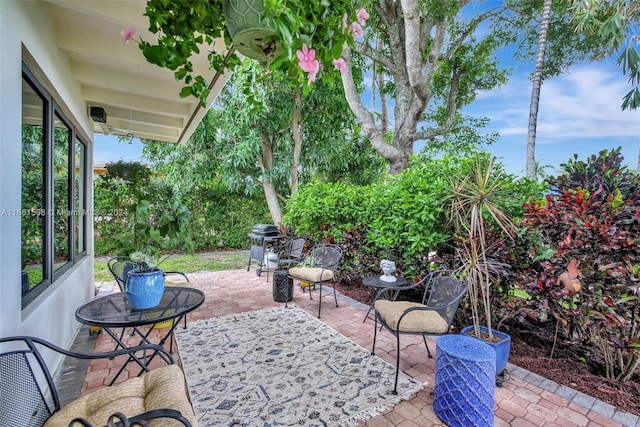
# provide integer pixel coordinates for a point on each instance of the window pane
(33, 194)
(61, 194)
(79, 205)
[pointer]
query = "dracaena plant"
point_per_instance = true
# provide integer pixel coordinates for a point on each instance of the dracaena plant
(478, 206)
(310, 36)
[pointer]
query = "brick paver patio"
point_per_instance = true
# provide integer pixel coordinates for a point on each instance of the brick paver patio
(524, 400)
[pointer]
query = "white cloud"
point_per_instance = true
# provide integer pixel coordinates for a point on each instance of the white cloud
(584, 103)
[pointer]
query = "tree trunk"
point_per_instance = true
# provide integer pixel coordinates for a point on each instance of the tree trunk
(271, 196)
(535, 92)
(384, 112)
(270, 193)
(297, 141)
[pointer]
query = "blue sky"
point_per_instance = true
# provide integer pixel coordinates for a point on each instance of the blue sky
(579, 113)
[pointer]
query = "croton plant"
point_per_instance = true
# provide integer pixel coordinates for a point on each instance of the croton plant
(580, 264)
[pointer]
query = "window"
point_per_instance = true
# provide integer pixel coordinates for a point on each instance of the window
(54, 176)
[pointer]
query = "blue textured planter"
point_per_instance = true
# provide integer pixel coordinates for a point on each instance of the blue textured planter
(145, 289)
(502, 348)
(465, 382)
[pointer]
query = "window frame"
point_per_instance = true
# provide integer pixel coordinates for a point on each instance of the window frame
(52, 111)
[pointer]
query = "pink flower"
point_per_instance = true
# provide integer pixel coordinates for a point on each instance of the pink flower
(356, 29)
(345, 17)
(313, 74)
(340, 64)
(362, 15)
(308, 62)
(127, 33)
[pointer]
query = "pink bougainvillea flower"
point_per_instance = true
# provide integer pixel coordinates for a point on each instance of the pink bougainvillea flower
(356, 29)
(362, 15)
(308, 62)
(345, 22)
(127, 34)
(340, 64)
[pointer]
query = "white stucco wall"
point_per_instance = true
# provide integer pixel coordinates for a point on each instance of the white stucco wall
(51, 316)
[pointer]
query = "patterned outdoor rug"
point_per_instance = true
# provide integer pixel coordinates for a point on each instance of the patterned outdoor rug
(283, 367)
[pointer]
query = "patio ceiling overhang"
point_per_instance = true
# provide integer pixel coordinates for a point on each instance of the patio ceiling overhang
(138, 97)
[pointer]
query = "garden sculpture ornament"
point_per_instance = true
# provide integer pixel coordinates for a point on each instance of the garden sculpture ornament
(388, 267)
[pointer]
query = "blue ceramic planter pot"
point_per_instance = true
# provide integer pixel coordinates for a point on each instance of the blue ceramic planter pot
(501, 348)
(145, 289)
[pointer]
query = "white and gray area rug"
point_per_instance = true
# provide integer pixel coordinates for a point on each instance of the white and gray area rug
(283, 367)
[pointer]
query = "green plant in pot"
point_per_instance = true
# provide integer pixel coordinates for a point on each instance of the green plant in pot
(479, 212)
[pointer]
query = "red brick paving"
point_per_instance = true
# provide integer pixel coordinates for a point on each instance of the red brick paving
(517, 403)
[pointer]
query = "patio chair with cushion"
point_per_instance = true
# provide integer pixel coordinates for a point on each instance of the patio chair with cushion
(318, 267)
(29, 396)
(432, 316)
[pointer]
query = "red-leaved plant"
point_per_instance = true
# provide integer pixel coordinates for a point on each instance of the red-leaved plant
(587, 232)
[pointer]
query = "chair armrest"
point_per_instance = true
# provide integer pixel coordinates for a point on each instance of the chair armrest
(179, 273)
(32, 341)
(119, 420)
(161, 413)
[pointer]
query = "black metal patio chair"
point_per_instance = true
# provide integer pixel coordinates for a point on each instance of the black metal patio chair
(293, 254)
(318, 267)
(29, 396)
(119, 267)
(432, 316)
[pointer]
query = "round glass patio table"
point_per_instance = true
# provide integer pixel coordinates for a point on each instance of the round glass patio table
(112, 312)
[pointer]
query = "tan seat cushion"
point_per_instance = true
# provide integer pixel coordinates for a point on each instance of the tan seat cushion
(426, 321)
(158, 389)
(311, 274)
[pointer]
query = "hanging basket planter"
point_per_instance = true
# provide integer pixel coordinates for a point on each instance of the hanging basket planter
(249, 33)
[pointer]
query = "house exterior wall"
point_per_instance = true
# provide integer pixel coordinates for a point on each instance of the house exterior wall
(25, 26)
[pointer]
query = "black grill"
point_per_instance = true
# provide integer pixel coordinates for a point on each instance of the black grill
(265, 230)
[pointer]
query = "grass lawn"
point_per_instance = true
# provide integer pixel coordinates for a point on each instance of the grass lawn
(206, 261)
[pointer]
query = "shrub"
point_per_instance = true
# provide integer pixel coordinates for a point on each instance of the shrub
(592, 219)
(401, 218)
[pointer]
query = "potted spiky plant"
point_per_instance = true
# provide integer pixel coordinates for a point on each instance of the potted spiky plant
(479, 203)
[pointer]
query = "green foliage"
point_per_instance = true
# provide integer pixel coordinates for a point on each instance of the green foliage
(480, 217)
(186, 27)
(592, 217)
(150, 217)
(322, 210)
(402, 217)
(136, 212)
(221, 219)
(408, 210)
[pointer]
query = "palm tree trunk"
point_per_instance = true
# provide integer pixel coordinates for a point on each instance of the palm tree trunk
(535, 92)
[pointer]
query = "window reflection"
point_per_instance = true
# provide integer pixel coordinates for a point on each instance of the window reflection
(61, 192)
(32, 212)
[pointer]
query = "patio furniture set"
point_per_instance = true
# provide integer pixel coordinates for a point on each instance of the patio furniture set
(30, 393)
